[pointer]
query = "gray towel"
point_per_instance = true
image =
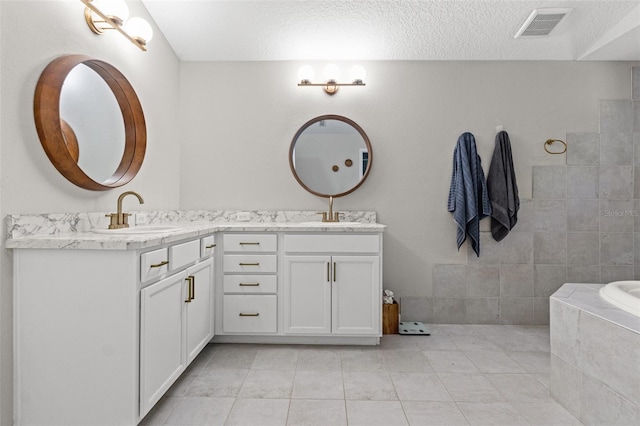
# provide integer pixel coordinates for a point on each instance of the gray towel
(468, 198)
(503, 190)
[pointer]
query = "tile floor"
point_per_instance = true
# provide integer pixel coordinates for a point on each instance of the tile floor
(460, 375)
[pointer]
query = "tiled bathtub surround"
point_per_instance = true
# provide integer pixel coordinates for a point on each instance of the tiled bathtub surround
(582, 225)
(19, 226)
(595, 353)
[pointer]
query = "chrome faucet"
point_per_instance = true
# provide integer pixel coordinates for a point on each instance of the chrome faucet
(330, 216)
(121, 220)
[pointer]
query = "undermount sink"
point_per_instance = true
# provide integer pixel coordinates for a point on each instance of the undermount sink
(152, 229)
(320, 223)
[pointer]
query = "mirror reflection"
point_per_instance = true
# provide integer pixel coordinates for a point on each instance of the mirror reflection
(330, 156)
(91, 110)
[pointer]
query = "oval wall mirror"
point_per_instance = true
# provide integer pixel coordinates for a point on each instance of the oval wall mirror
(330, 156)
(90, 122)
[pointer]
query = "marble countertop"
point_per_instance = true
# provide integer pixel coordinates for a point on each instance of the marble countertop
(115, 240)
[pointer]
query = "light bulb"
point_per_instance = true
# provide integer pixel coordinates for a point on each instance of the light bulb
(114, 9)
(139, 29)
(358, 74)
(331, 72)
(306, 73)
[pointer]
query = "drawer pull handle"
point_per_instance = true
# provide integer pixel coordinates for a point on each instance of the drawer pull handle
(159, 265)
(249, 244)
(249, 284)
(210, 246)
(249, 264)
(250, 315)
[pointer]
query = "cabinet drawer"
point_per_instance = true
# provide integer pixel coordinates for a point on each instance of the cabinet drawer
(207, 245)
(347, 243)
(153, 264)
(250, 242)
(250, 283)
(250, 263)
(183, 254)
(250, 314)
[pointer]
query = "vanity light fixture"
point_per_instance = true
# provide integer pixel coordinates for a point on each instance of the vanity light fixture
(102, 15)
(331, 77)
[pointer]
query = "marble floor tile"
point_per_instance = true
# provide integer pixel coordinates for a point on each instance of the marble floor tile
(419, 387)
(318, 385)
(492, 413)
(315, 412)
(267, 384)
(368, 386)
(232, 356)
(519, 387)
(473, 343)
(406, 361)
(429, 413)
(159, 414)
(493, 362)
(470, 388)
(217, 383)
(450, 362)
(275, 359)
(263, 412)
(362, 360)
(319, 360)
(532, 361)
(545, 413)
(459, 375)
(200, 411)
(374, 413)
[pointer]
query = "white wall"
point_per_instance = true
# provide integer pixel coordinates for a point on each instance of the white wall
(238, 119)
(32, 34)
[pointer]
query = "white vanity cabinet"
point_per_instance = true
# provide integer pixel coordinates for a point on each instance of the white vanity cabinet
(250, 302)
(176, 322)
(329, 293)
(99, 335)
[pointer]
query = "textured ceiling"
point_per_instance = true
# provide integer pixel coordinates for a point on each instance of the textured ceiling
(268, 30)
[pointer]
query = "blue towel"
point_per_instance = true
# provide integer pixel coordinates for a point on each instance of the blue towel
(503, 189)
(468, 198)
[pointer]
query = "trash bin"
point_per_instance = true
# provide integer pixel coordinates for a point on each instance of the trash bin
(390, 318)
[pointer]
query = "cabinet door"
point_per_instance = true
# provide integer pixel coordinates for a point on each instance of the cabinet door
(307, 294)
(162, 337)
(356, 295)
(199, 308)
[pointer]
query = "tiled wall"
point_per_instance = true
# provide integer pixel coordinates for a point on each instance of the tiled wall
(581, 226)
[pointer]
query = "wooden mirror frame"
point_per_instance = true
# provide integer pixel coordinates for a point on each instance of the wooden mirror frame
(344, 120)
(46, 108)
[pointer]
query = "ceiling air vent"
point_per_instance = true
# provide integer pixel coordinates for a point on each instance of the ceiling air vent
(541, 22)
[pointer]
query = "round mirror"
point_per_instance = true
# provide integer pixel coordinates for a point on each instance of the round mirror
(330, 156)
(90, 122)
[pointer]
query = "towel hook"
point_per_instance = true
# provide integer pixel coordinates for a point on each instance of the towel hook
(551, 141)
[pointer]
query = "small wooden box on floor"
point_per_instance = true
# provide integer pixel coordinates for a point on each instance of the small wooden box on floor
(390, 318)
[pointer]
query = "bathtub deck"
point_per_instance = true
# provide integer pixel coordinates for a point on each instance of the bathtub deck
(595, 353)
